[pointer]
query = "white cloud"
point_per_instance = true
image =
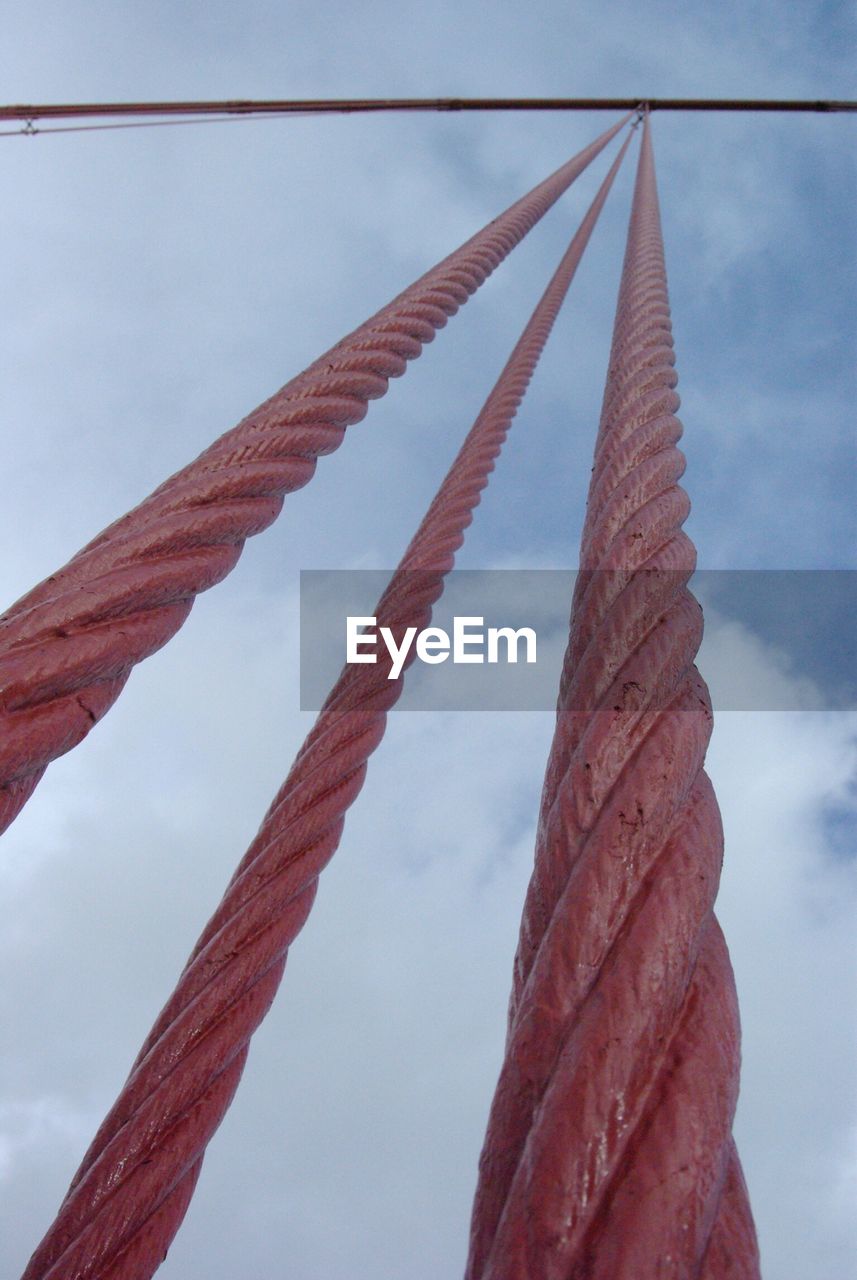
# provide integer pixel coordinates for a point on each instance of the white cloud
(788, 906)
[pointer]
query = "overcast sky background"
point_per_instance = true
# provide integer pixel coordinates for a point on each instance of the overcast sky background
(156, 285)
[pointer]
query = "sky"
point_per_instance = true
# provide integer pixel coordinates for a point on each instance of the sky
(157, 284)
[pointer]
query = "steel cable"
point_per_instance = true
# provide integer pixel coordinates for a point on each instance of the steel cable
(609, 1153)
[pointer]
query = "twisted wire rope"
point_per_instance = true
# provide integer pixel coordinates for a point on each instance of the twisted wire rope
(132, 1189)
(68, 646)
(608, 1151)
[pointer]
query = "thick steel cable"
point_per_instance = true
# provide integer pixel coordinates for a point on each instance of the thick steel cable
(128, 1198)
(68, 646)
(609, 1153)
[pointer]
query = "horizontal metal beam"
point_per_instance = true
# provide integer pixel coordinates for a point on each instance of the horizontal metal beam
(345, 106)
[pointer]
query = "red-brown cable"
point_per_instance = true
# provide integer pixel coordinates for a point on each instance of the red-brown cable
(609, 1152)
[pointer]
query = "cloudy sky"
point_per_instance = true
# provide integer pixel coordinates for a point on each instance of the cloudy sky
(156, 285)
